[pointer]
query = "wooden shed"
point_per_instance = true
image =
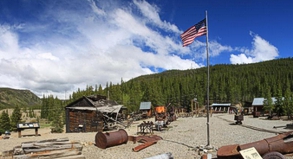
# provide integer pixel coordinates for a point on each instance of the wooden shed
(146, 109)
(221, 107)
(87, 114)
(258, 106)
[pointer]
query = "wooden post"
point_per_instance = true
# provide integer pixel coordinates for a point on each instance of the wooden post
(19, 133)
(36, 131)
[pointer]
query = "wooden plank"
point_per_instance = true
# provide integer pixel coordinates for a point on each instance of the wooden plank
(72, 157)
(45, 144)
(49, 140)
(18, 151)
(50, 154)
(40, 149)
(52, 148)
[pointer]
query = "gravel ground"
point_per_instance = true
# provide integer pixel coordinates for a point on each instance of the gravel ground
(180, 138)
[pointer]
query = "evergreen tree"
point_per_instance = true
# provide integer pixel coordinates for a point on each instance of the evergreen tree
(228, 83)
(268, 102)
(44, 108)
(4, 122)
(279, 102)
(288, 107)
(15, 118)
(31, 113)
(57, 117)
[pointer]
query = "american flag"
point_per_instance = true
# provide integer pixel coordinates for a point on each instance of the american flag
(193, 32)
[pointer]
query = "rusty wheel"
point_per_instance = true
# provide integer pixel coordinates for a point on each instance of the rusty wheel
(273, 155)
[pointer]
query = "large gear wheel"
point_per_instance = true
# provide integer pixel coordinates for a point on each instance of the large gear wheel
(273, 155)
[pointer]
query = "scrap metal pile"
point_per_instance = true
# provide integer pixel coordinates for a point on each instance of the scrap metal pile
(109, 139)
(280, 144)
(163, 116)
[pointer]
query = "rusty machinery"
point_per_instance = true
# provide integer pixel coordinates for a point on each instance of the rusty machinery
(171, 113)
(239, 117)
(161, 119)
(145, 127)
(282, 143)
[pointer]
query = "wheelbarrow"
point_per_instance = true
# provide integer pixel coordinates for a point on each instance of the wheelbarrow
(239, 118)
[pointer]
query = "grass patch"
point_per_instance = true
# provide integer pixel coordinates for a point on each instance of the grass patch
(44, 124)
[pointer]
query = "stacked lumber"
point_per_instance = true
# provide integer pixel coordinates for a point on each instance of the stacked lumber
(46, 149)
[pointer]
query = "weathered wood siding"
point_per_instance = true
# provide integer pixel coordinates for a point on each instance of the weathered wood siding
(84, 121)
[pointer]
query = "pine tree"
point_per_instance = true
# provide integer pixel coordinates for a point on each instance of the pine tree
(279, 101)
(57, 117)
(44, 108)
(4, 122)
(287, 107)
(15, 118)
(268, 102)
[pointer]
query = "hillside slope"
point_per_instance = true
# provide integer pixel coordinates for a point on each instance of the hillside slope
(10, 98)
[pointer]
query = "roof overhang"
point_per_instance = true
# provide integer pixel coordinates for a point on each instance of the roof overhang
(106, 109)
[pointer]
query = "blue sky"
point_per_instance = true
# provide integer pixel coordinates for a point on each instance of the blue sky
(57, 46)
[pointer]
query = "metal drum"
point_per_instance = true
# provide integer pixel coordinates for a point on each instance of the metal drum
(108, 139)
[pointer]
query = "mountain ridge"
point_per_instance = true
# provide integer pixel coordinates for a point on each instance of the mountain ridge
(10, 98)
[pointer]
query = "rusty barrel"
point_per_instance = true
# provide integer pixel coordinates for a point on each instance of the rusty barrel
(108, 139)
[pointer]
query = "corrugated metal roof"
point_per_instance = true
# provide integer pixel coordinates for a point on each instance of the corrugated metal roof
(145, 105)
(91, 102)
(221, 104)
(259, 101)
(105, 109)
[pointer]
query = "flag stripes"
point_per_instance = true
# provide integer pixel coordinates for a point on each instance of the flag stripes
(193, 32)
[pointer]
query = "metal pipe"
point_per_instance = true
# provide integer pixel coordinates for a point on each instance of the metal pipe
(144, 145)
(167, 155)
(282, 143)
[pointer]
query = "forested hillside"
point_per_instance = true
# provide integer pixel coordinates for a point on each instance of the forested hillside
(228, 83)
(10, 98)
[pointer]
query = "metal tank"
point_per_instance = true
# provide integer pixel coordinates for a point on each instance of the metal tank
(108, 139)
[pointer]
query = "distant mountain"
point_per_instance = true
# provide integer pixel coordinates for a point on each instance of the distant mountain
(10, 98)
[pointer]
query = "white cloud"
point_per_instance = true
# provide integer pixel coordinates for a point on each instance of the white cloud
(261, 50)
(240, 59)
(95, 43)
(95, 47)
(8, 42)
(95, 8)
(216, 48)
(152, 13)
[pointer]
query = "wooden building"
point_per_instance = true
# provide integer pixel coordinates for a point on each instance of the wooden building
(258, 105)
(221, 107)
(247, 108)
(88, 114)
(145, 108)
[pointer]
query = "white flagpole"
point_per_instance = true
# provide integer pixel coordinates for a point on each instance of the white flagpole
(208, 81)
